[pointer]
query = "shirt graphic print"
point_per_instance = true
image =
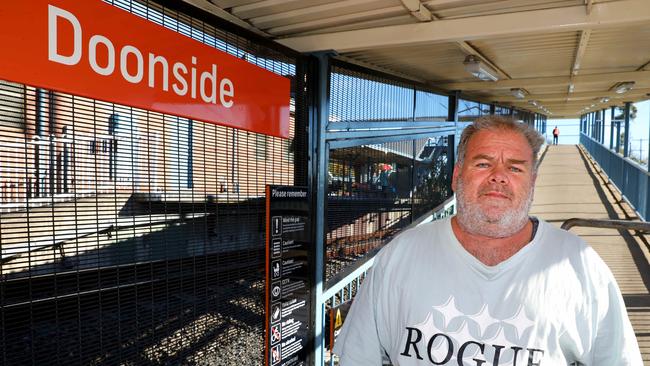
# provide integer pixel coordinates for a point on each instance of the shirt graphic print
(448, 336)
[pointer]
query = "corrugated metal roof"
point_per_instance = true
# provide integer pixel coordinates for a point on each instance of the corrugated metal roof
(543, 46)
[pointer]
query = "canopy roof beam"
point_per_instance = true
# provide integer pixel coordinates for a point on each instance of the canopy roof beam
(548, 81)
(564, 19)
(580, 52)
(555, 97)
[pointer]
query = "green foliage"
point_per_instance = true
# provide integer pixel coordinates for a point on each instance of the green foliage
(620, 112)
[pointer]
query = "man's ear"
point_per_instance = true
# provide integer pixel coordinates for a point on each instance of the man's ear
(454, 177)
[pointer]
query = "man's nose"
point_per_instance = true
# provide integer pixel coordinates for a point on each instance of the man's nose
(499, 175)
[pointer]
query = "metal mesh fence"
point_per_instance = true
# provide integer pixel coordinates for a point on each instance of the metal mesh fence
(469, 110)
(376, 190)
(430, 106)
(358, 96)
(502, 111)
(129, 237)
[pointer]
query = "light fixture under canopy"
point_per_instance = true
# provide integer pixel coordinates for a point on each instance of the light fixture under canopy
(623, 87)
(479, 69)
(518, 93)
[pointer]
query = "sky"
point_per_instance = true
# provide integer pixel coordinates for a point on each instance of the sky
(639, 130)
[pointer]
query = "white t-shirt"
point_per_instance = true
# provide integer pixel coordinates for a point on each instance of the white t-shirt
(427, 301)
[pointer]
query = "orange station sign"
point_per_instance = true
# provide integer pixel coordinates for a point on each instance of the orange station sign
(93, 49)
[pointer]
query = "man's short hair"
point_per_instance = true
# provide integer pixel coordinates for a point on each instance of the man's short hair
(501, 123)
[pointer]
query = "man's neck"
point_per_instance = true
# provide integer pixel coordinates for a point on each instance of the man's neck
(492, 251)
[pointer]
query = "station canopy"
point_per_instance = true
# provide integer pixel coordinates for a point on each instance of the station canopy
(560, 58)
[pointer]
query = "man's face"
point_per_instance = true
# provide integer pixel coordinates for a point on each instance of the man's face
(494, 185)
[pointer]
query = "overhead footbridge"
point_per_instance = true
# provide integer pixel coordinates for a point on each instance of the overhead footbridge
(572, 185)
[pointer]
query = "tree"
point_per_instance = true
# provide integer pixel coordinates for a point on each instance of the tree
(620, 112)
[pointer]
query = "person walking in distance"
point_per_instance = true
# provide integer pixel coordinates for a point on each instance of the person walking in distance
(556, 134)
(491, 285)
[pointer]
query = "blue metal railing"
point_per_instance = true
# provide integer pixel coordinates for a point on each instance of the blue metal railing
(629, 177)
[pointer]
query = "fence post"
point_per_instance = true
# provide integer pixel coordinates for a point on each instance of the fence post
(593, 125)
(611, 129)
(451, 154)
(599, 122)
(601, 130)
(452, 115)
(647, 198)
(626, 141)
(318, 173)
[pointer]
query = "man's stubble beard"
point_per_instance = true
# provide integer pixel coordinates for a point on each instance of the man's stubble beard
(473, 220)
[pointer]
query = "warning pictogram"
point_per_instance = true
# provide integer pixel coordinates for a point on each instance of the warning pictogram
(276, 312)
(276, 225)
(276, 291)
(276, 270)
(276, 248)
(339, 320)
(275, 354)
(276, 334)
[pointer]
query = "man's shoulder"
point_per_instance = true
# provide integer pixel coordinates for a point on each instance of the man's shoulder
(408, 250)
(560, 243)
(413, 241)
(423, 232)
(558, 237)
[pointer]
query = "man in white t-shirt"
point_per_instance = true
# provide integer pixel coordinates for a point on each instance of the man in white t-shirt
(490, 286)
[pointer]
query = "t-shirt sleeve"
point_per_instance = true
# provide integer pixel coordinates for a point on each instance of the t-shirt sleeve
(359, 344)
(615, 342)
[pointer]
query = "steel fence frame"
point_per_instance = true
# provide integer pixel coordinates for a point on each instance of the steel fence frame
(316, 136)
(332, 135)
(631, 179)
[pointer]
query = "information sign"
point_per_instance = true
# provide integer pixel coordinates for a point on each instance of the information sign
(334, 323)
(288, 306)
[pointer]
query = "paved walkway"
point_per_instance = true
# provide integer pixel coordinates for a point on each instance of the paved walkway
(570, 185)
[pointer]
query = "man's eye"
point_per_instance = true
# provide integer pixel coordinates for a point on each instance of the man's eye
(515, 169)
(482, 165)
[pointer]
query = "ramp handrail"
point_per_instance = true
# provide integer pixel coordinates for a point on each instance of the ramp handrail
(608, 224)
(354, 271)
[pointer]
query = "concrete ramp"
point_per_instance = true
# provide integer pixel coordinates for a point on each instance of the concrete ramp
(570, 184)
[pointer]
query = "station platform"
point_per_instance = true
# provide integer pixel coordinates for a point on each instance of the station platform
(571, 185)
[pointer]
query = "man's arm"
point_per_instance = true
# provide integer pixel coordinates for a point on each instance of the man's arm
(615, 342)
(359, 344)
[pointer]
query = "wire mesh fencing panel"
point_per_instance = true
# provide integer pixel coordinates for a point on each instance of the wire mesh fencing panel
(357, 96)
(376, 190)
(130, 237)
(433, 171)
(469, 110)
